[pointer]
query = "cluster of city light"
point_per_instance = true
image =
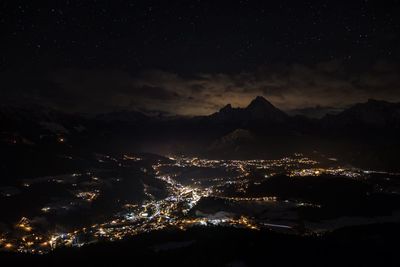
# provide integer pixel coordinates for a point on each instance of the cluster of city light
(242, 221)
(173, 210)
(255, 199)
(129, 157)
(24, 225)
(88, 196)
(347, 172)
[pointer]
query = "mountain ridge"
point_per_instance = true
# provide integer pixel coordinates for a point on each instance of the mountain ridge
(258, 130)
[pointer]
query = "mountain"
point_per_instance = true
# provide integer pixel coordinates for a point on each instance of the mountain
(316, 112)
(258, 113)
(259, 116)
(233, 141)
(373, 114)
(366, 133)
(261, 110)
(37, 123)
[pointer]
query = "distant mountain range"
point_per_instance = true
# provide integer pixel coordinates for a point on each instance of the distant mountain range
(374, 113)
(258, 130)
(258, 111)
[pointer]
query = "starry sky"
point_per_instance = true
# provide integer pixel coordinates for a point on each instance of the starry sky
(193, 57)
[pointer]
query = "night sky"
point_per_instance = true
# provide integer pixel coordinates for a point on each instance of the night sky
(193, 57)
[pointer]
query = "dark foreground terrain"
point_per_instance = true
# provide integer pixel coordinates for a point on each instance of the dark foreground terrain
(372, 245)
(242, 187)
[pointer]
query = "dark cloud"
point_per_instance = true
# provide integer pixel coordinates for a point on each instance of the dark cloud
(156, 92)
(295, 86)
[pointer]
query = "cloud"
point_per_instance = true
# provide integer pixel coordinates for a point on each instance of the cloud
(295, 86)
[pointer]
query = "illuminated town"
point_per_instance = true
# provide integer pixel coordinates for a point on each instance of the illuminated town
(188, 182)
